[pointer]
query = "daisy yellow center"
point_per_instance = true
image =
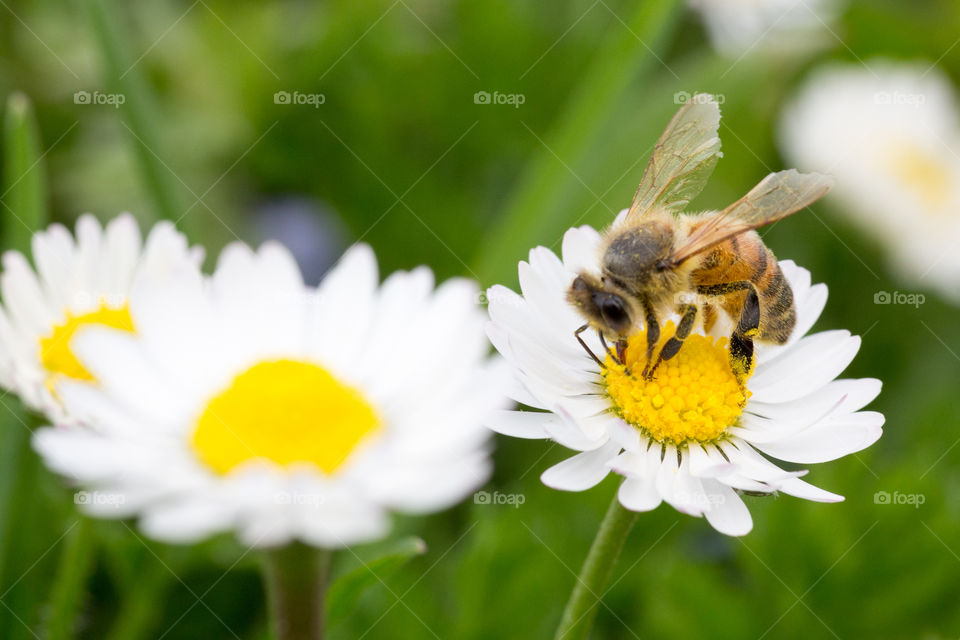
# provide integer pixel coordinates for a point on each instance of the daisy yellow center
(923, 172)
(693, 397)
(285, 411)
(55, 352)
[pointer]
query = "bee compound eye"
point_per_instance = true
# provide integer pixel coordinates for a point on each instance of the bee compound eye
(614, 313)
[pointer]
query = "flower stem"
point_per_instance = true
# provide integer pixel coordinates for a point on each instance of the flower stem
(296, 581)
(592, 582)
(76, 564)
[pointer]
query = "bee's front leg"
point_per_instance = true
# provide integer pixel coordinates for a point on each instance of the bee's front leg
(688, 317)
(622, 352)
(653, 332)
(585, 347)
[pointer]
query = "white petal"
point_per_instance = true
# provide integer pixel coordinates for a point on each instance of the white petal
(186, 521)
(23, 296)
(581, 246)
(800, 489)
(828, 440)
(728, 514)
(838, 396)
(639, 494)
(805, 367)
(582, 471)
(520, 424)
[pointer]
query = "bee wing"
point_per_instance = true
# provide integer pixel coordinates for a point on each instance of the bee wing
(683, 158)
(775, 197)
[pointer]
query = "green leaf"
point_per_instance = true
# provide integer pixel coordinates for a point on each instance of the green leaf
(24, 183)
(347, 589)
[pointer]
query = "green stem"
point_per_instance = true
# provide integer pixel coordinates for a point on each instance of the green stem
(296, 580)
(138, 612)
(581, 609)
(76, 562)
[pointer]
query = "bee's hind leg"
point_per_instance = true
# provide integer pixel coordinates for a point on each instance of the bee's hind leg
(672, 346)
(741, 342)
(748, 325)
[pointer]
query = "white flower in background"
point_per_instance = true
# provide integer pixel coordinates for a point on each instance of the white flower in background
(890, 134)
(738, 27)
(77, 283)
(251, 402)
(692, 437)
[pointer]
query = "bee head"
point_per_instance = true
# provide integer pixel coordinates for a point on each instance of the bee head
(603, 304)
(641, 254)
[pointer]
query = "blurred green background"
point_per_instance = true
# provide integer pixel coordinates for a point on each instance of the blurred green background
(400, 156)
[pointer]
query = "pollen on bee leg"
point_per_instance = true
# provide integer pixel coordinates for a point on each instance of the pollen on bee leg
(693, 397)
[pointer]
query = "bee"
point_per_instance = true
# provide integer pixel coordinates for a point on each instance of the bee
(657, 259)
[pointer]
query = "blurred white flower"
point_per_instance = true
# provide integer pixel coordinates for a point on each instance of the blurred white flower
(251, 402)
(693, 436)
(890, 133)
(77, 283)
(737, 27)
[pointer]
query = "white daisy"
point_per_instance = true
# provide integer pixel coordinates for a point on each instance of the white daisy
(252, 402)
(737, 27)
(693, 437)
(77, 283)
(890, 133)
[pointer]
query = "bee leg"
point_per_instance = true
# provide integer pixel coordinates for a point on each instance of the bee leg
(672, 346)
(748, 325)
(741, 342)
(607, 348)
(622, 352)
(584, 345)
(653, 333)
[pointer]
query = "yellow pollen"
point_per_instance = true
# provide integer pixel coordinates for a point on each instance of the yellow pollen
(55, 353)
(923, 172)
(287, 412)
(693, 397)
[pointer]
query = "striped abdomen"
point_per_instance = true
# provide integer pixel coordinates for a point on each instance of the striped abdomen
(745, 257)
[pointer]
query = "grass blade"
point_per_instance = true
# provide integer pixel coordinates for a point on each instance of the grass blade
(24, 182)
(631, 50)
(138, 110)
